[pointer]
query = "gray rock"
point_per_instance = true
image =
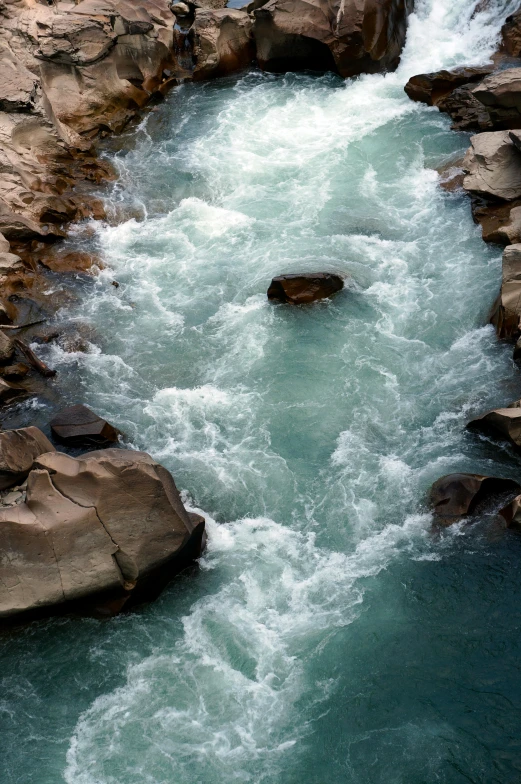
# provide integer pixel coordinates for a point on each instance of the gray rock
(493, 166)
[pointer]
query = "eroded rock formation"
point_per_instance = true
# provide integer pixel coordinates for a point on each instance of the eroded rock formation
(501, 423)
(455, 496)
(106, 530)
(349, 36)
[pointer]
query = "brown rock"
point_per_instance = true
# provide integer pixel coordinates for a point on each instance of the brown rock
(511, 34)
(348, 36)
(107, 530)
(511, 513)
(499, 221)
(9, 392)
(432, 87)
(17, 86)
(305, 288)
(223, 42)
(457, 495)
(493, 166)
(466, 112)
(14, 372)
(18, 450)
(507, 311)
(501, 423)
(6, 348)
(78, 425)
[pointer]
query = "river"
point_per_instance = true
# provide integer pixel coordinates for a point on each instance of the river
(328, 635)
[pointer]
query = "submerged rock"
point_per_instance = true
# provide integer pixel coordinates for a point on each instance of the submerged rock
(305, 288)
(18, 450)
(501, 423)
(105, 530)
(493, 166)
(78, 425)
(457, 495)
(347, 36)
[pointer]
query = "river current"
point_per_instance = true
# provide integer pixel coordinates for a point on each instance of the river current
(328, 635)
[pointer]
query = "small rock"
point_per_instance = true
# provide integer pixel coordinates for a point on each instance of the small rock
(304, 288)
(15, 371)
(12, 498)
(6, 348)
(180, 9)
(8, 392)
(78, 425)
(457, 495)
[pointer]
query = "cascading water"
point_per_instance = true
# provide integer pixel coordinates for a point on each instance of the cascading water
(329, 635)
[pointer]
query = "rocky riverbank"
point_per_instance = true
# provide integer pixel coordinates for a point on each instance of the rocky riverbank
(70, 74)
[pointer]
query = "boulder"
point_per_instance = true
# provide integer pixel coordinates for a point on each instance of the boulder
(304, 288)
(222, 42)
(511, 513)
(430, 88)
(500, 93)
(94, 533)
(501, 423)
(457, 495)
(507, 311)
(493, 166)
(18, 451)
(79, 426)
(511, 34)
(347, 36)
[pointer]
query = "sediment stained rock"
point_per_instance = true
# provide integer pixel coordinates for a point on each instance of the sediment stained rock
(222, 42)
(493, 166)
(507, 310)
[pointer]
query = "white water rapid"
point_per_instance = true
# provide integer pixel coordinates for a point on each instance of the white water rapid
(325, 637)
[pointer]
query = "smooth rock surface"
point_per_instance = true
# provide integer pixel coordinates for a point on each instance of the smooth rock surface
(78, 425)
(223, 42)
(104, 527)
(18, 450)
(349, 36)
(511, 34)
(493, 166)
(507, 312)
(500, 93)
(305, 288)
(502, 423)
(457, 495)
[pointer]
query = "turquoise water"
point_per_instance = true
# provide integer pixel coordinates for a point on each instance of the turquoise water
(328, 635)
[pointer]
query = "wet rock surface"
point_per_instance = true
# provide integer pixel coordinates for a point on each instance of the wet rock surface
(456, 496)
(304, 289)
(501, 423)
